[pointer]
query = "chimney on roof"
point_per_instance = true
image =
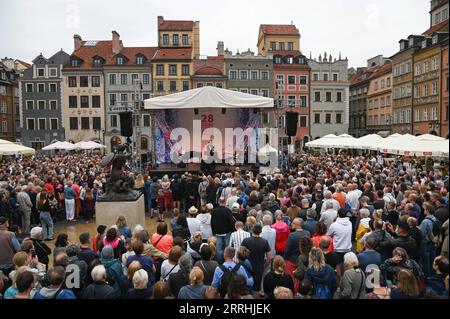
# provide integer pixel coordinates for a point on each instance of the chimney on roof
(116, 45)
(160, 20)
(77, 42)
(220, 50)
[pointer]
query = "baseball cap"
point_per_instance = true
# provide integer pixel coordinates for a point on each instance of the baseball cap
(235, 206)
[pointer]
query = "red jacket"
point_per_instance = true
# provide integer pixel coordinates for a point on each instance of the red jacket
(282, 230)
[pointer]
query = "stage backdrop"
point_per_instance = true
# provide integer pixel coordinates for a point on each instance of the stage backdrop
(191, 139)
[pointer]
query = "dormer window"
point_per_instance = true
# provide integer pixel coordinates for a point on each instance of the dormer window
(289, 60)
(97, 62)
(140, 59)
(75, 62)
(301, 60)
(411, 42)
(120, 60)
(278, 60)
(424, 44)
(435, 39)
(402, 45)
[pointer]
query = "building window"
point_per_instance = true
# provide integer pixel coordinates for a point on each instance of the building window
(281, 46)
(328, 118)
(30, 105)
(290, 60)
(243, 75)
(303, 99)
(233, 75)
(425, 114)
(338, 118)
(112, 79)
(277, 60)
(434, 113)
(84, 101)
(172, 69)
(41, 72)
(97, 62)
(417, 70)
(185, 85)
(53, 72)
(84, 81)
(165, 39)
(303, 121)
(243, 90)
(254, 91)
(254, 75)
(96, 123)
(335, 77)
(52, 87)
(96, 101)
(41, 124)
(73, 101)
(53, 124)
(41, 87)
(281, 121)
(124, 79)
(140, 59)
(291, 79)
(338, 96)
(112, 99)
(265, 92)
(219, 85)
(317, 118)
(120, 60)
(75, 62)
(4, 126)
(160, 69)
(176, 40)
(95, 81)
(146, 79)
(85, 123)
(73, 123)
(29, 87)
(265, 117)
(185, 69)
(315, 76)
(72, 81)
(388, 82)
(417, 115)
(41, 105)
(328, 96)
(325, 76)
(124, 98)
(417, 92)
(53, 105)
(317, 96)
(146, 120)
(303, 79)
(425, 90)
(134, 78)
(113, 120)
(264, 75)
(273, 46)
(173, 86)
(185, 39)
(30, 124)
(426, 66)
(291, 46)
(160, 85)
(291, 100)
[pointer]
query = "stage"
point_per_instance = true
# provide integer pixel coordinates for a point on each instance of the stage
(171, 169)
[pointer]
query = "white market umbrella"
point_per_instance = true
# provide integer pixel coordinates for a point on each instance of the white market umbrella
(89, 145)
(59, 146)
(15, 149)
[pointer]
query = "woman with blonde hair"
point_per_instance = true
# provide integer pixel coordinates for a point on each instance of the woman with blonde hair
(196, 289)
(321, 275)
(277, 278)
(251, 221)
(407, 287)
(212, 242)
(123, 228)
(139, 182)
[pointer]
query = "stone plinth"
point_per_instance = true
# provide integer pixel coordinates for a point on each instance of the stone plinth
(107, 212)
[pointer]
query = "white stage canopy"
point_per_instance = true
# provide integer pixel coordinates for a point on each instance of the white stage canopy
(208, 97)
(423, 145)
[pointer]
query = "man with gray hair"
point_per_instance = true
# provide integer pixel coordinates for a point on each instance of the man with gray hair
(99, 289)
(311, 221)
(329, 214)
(25, 205)
(328, 198)
(268, 233)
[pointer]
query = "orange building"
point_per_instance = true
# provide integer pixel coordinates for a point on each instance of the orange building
(379, 110)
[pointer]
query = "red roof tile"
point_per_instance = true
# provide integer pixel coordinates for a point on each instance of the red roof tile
(209, 70)
(173, 54)
(437, 27)
(175, 25)
(131, 52)
(279, 29)
(86, 53)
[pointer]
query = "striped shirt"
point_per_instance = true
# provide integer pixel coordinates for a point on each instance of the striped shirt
(237, 237)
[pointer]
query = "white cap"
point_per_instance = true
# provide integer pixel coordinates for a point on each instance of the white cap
(235, 205)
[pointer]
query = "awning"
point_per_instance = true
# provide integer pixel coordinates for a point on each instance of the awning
(208, 97)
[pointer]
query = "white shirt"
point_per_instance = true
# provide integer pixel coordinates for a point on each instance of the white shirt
(205, 225)
(165, 269)
(270, 234)
(328, 217)
(352, 198)
(341, 232)
(193, 224)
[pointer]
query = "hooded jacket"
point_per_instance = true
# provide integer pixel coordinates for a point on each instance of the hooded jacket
(341, 232)
(282, 235)
(49, 293)
(325, 275)
(363, 229)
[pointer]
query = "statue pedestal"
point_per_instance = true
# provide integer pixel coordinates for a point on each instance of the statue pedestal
(107, 212)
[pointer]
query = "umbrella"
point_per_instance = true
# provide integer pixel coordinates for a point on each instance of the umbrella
(89, 145)
(59, 146)
(14, 149)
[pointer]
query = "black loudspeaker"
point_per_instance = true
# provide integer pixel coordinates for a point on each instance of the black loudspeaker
(291, 123)
(224, 110)
(196, 111)
(126, 124)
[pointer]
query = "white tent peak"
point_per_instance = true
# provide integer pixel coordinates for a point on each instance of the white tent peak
(208, 97)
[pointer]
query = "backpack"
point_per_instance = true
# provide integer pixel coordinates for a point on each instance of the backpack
(322, 291)
(226, 278)
(436, 226)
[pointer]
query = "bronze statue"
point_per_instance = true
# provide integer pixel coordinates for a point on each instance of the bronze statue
(119, 187)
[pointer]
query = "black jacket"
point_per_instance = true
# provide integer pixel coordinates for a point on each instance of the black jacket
(222, 221)
(408, 243)
(99, 291)
(42, 251)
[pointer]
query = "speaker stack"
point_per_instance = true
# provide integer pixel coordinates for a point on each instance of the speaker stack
(126, 124)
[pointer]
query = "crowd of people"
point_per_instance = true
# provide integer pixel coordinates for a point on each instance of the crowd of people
(328, 227)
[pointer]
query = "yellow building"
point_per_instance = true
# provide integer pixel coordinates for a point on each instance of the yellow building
(178, 46)
(278, 37)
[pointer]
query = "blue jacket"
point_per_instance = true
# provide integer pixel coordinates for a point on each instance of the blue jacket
(218, 273)
(49, 293)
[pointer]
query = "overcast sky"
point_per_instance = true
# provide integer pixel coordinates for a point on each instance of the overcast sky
(360, 29)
